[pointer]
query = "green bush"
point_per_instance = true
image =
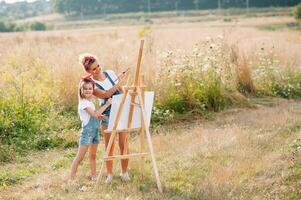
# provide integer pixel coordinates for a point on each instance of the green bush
(271, 79)
(297, 13)
(175, 103)
(210, 78)
(7, 27)
(6, 153)
(19, 123)
(30, 117)
(31, 126)
(161, 115)
(289, 86)
(197, 82)
(12, 27)
(37, 26)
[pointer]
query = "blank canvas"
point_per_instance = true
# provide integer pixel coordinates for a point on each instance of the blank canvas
(136, 120)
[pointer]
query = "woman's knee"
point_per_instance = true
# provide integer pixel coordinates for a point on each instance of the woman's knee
(92, 157)
(121, 146)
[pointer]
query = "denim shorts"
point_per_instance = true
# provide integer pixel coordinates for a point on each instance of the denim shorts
(105, 122)
(88, 137)
(90, 133)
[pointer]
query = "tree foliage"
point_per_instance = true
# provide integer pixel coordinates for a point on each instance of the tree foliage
(86, 7)
(297, 12)
(13, 27)
(23, 9)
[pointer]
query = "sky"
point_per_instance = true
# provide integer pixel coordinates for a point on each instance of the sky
(14, 1)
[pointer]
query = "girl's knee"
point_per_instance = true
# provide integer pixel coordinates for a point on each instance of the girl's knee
(78, 159)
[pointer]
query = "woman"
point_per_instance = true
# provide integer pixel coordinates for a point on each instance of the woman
(107, 84)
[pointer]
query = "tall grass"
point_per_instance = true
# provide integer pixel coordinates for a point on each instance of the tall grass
(40, 74)
(210, 77)
(30, 110)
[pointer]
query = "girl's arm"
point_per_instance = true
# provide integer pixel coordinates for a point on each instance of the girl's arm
(97, 113)
(104, 107)
(91, 112)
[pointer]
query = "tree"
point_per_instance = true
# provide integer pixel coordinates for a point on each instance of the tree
(297, 13)
(196, 3)
(58, 6)
(38, 26)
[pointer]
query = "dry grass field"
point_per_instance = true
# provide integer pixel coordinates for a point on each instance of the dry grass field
(117, 46)
(239, 153)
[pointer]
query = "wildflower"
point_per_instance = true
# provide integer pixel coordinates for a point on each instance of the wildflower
(208, 38)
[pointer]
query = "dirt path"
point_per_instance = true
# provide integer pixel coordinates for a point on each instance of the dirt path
(245, 153)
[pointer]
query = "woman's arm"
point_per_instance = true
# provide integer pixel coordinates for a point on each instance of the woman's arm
(105, 94)
(121, 89)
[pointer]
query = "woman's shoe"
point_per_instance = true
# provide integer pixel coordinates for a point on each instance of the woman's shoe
(94, 178)
(109, 178)
(125, 176)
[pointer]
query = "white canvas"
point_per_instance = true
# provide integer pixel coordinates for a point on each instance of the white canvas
(136, 121)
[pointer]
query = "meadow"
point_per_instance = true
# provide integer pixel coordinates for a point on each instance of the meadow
(240, 68)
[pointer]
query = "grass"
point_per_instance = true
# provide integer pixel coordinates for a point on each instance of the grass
(226, 157)
(278, 27)
(241, 153)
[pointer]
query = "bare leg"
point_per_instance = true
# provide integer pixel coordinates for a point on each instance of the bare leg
(123, 151)
(79, 157)
(109, 163)
(92, 158)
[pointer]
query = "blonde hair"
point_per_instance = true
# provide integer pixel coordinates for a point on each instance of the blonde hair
(83, 82)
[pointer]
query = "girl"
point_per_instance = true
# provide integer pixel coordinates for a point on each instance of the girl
(107, 85)
(89, 138)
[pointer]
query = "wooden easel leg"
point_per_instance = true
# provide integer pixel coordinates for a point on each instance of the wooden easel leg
(149, 141)
(113, 134)
(142, 149)
(142, 142)
(106, 155)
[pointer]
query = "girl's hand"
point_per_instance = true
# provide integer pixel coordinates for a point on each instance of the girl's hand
(109, 102)
(102, 117)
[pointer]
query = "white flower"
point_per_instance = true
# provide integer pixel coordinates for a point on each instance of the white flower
(205, 67)
(208, 38)
(220, 36)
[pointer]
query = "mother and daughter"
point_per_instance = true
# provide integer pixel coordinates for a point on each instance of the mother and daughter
(103, 85)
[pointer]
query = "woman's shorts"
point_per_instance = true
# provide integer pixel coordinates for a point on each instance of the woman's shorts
(105, 122)
(89, 136)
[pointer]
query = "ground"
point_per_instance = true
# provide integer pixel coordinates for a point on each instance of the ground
(240, 153)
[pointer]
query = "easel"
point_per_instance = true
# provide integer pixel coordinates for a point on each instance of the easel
(136, 89)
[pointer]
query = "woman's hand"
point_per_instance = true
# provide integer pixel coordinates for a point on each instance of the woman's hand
(120, 78)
